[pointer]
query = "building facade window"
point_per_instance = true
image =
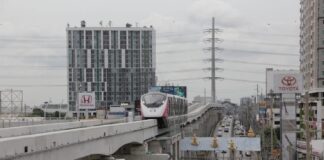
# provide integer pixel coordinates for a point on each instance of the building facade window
(112, 83)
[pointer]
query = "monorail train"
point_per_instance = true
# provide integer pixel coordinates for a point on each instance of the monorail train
(166, 108)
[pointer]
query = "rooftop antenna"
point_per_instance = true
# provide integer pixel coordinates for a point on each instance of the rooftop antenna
(109, 23)
(68, 25)
(136, 24)
(100, 23)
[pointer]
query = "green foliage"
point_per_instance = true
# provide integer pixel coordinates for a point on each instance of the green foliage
(38, 112)
(56, 114)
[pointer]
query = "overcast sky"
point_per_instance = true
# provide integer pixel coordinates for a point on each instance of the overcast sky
(32, 41)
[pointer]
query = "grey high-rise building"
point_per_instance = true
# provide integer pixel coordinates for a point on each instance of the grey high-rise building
(312, 43)
(312, 58)
(117, 63)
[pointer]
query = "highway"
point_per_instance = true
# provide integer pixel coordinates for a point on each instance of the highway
(228, 123)
(220, 132)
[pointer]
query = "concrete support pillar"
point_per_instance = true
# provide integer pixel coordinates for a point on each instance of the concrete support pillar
(171, 151)
(139, 150)
(155, 147)
(176, 151)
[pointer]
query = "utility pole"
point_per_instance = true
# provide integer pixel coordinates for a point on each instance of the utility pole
(205, 101)
(77, 101)
(271, 121)
(306, 120)
(257, 94)
(11, 102)
(0, 104)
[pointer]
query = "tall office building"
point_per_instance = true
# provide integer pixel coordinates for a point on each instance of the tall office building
(117, 63)
(312, 58)
(312, 43)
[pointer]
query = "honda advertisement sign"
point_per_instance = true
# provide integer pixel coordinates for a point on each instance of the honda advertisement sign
(288, 83)
(87, 100)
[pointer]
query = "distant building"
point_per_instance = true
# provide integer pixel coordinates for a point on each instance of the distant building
(246, 101)
(227, 100)
(52, 108)
(317, 149)
(117, 63)
(199, 99)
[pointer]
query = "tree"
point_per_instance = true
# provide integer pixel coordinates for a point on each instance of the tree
(56, 114)
(38, 112)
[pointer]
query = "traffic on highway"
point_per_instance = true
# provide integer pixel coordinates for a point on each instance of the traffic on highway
(231, 127)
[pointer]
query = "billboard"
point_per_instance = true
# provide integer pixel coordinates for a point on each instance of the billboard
(174, 90)
(87, 100)
(287, 83)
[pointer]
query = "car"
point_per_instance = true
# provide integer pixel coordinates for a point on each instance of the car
(219, 134)
(226, 129)
(238, 132)
(223, 125)
(220, 129)
(248, 154)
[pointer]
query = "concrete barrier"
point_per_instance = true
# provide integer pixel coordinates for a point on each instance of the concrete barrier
(34, 129)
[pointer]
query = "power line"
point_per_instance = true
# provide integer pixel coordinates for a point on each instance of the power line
(243, 80)
(199, 70)
(227, 51)
(169, 62)
(233, 61)
(259, 52)
(161, 72)
(224, 78)
(230, 51)
(170, 80)
(159, 34)
(263, 43)
(32, 77)
(259, 63)
(33, 85)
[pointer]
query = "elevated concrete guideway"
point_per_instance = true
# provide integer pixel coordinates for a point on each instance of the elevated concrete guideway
(77, 143)
(80, 140)
(43, 128)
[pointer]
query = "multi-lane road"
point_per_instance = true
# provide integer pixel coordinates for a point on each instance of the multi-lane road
(225, 128)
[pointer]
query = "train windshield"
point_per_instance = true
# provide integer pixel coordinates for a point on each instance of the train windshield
(153, 100)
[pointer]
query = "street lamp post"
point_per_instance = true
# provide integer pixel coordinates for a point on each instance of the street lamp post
(77, 101)
(45, 106)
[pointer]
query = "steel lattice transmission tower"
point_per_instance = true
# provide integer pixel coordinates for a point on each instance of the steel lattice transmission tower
(213, 40)
(11, 101)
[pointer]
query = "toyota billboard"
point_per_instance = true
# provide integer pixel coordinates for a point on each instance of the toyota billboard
(87, 100)
(287, 83)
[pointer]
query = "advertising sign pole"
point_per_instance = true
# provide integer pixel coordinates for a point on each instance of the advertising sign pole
(87, 100)
(78, 103)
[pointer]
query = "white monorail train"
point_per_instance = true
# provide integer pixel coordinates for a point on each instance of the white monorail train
(166, 108)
